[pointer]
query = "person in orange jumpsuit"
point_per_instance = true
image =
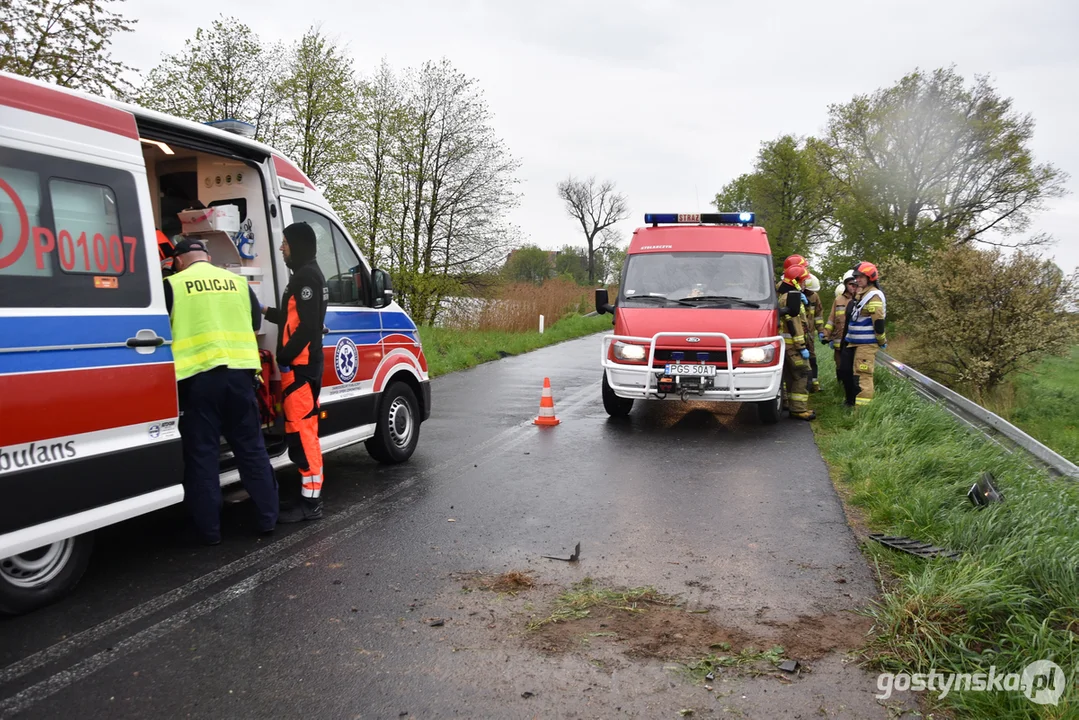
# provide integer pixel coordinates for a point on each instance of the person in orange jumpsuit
(299, 357)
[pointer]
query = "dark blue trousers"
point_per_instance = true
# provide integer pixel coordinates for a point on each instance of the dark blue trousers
(215, 403)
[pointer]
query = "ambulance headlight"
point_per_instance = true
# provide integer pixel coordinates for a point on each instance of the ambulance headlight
(629, 353)
(757, 355)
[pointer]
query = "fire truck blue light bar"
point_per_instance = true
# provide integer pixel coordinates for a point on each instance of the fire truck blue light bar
(725, 218)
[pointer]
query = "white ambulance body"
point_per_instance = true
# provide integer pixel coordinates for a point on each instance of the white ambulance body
(88, 405)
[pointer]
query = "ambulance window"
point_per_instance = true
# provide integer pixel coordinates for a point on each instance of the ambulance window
(21, 193)
(86, 218)
(72, 234)
(335, 257)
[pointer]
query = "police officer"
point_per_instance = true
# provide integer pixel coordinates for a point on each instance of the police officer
(863, 335)
(792, 325)
(214, 317)
(299, 357)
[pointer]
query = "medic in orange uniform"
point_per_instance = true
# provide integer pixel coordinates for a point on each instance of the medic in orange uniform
(299, 357)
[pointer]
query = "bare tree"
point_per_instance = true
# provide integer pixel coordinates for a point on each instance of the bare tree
(596, 206)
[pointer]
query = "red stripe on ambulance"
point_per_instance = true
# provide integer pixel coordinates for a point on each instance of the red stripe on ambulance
(285, 169)
(39, 406)
(46, 101)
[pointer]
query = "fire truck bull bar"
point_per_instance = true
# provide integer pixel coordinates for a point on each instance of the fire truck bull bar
(731, 384)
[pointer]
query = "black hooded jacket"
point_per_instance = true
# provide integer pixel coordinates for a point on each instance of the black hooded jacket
(307, 290)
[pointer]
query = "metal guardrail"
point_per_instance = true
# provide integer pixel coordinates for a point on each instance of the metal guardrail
(989, 424)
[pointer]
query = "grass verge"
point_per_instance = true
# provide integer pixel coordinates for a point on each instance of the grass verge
(1047, 404)
(448, 349)
(1013, 596)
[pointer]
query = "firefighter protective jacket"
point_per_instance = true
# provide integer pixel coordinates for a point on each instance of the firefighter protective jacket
(865, 318)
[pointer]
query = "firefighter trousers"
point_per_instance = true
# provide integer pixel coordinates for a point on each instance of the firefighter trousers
(215, 403)
(301, 429)
(796, 378)
(856, 366)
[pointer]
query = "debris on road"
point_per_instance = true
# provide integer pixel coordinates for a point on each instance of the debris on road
(436, 622)
(528, 694)
(572, 558)
(913, 547)
(789, 665)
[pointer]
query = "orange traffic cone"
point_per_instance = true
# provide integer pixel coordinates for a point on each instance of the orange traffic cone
(546, 413)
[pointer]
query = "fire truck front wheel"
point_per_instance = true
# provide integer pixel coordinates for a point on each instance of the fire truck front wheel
(768, 410)
(614, 405)
(42, 576)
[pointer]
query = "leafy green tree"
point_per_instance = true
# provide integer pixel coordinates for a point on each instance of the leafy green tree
(224, 71)
(572, 262)
(454, 180)
(932, 162)
(975, 317)
(65, 42)
(320, 97)
(791, 192)
(529, 264)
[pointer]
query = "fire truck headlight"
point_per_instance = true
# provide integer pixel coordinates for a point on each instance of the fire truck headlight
(757, 355)
(631, 353)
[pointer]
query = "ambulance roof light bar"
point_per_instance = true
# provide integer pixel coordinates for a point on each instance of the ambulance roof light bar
(723, 218)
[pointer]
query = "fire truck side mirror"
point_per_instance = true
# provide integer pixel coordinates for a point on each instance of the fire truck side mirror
(603, 304)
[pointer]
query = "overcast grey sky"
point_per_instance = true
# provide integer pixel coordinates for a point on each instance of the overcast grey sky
(672, 98)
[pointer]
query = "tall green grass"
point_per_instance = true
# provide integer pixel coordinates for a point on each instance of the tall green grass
(1012, 598)
(1047, 404)
(449, 349)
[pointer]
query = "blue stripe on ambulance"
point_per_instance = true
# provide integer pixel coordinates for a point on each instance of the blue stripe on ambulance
(74, 330)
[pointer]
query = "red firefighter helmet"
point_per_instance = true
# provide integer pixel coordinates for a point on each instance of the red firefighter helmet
(868, 269)
(795, 274)
(794, 260)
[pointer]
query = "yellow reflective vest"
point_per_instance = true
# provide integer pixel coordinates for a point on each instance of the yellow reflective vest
(211, 321)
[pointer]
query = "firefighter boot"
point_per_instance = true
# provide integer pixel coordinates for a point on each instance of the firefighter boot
(306, 509)
(806, 415)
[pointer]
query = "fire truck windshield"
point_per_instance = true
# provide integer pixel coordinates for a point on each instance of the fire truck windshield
(716, 278)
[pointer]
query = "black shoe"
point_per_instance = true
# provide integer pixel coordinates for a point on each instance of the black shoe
(307, 509)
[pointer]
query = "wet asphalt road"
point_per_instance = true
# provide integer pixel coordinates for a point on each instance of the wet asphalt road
(331, 619)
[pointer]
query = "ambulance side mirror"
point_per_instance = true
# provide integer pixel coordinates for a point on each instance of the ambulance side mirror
(382, 294)
(603, 304)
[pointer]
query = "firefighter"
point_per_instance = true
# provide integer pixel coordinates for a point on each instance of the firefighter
(814, 323)
(792, 326)
(299, 357)
(863, 334)
(791, 260)
(837, 320)
(214, 317)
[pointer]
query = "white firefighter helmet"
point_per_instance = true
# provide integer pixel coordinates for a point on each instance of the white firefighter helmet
(812, 284)
(840, 289)
(848, 275)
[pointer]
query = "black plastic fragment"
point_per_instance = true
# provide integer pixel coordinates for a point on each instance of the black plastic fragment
(913, 547)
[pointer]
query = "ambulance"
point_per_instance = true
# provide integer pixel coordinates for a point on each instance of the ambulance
(88, 401)
(696, 316)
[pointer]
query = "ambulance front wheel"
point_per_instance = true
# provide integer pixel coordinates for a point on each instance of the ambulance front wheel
(614, 405)
(42, 576)
(397, 428)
